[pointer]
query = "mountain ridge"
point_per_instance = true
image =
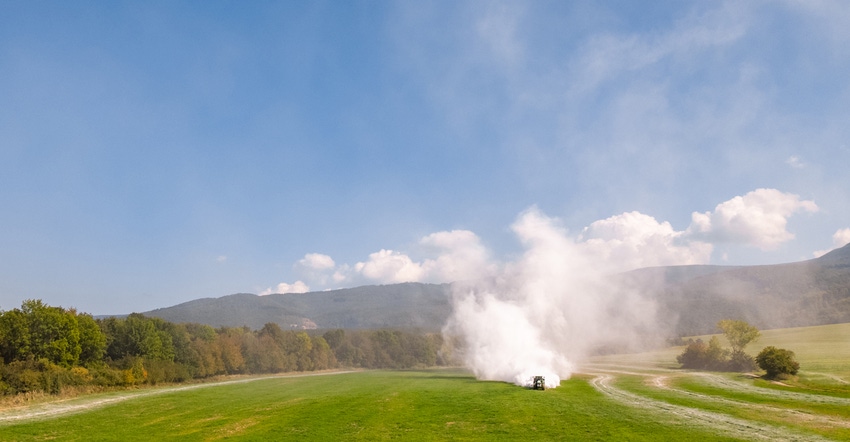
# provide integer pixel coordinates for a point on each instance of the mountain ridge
(690, 299)
(410, 304)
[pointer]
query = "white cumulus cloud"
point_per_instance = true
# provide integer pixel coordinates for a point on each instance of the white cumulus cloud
(316, 267)
(619, 243)
(388, 266)
(295, 287)
(795, 162)
(839, 239)
(317, 261)
(758, 219)
(633, 239)
(446, 256)
(459, 255)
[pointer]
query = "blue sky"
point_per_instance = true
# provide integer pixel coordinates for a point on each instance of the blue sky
(157, 152)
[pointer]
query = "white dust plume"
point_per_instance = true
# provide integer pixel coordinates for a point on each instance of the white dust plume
(544, 312)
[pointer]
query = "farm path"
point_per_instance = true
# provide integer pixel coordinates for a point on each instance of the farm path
(728, 425)
(51, 410)
(835, 378)
(721, 381)
(724, 424)
(786, 414)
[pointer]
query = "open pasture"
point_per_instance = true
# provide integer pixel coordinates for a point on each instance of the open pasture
(625, 397)
(812, 405)
(375, 405)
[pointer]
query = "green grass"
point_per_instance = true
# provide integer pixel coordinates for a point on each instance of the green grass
(452, 405)
(380, 405)
(815, 402)
(823, 347)
(797, 413)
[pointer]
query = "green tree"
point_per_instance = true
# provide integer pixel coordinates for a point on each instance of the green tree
(303, 347)
(739, 333)
(716, 356)
(92, 339)
(777, 362)
(321, 354)
(230, 348)
(694, 355)
(334, 338)
(699, 355)
(274, 332)
(14, 336)
(54, 334)
(138, 335)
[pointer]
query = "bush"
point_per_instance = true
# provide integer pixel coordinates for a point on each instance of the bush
(741, 362)
(777, 362)
(33, 375)
(694, 355)
(105, 376)
(165, 371)
(699, 355)
(21, 377)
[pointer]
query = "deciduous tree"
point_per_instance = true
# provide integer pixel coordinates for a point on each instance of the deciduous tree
(777, 361)
(739, 333)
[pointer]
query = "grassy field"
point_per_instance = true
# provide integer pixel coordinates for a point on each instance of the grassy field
(627, 397)
(814, 404)
(380, 405)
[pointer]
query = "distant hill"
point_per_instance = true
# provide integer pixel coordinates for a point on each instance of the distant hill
(691, 299)
(414, 305)
(813, 292)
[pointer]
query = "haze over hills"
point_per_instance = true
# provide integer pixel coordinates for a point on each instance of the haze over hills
(813, 292)
(414, 305)
(690, 300)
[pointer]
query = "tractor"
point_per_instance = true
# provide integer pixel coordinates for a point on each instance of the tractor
(538, 383)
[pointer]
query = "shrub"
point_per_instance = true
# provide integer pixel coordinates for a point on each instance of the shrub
(33, 375)
(106, 376)
(700, 355)
(777, 362)
(21, 377)
(694, 355)
(165, 371)
(741, 362)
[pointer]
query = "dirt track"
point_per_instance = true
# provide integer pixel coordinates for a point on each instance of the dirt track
(722, 423)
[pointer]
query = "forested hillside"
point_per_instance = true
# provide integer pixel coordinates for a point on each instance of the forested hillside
(410, 305)
(813, 292)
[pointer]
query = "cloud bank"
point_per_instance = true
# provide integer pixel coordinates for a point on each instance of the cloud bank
(758, 219)
(619, 243)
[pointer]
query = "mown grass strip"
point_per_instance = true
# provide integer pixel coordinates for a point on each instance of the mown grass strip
(410, 405)
(693, 391)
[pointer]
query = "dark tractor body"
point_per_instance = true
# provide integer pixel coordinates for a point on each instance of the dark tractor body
(538, 383)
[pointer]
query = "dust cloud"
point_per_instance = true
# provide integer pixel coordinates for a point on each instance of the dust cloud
(545, 312)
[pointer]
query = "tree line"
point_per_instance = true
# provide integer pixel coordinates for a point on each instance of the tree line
(47, 348)
(776, 362)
